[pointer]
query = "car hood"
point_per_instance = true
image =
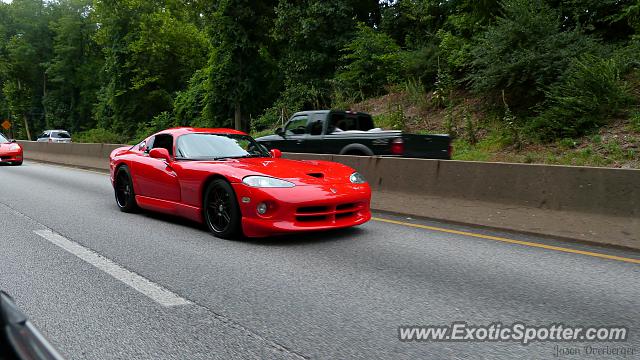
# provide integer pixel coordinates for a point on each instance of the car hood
(299, 172)
(4, 147)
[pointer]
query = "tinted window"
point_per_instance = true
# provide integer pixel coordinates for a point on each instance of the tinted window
(164, 141)
(61, 135)
(297, 126)
(346, 122)
(213, 146)
(316, 127)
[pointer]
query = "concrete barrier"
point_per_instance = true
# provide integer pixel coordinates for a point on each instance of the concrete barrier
(599, 205)
(95, 156)
(597, 190)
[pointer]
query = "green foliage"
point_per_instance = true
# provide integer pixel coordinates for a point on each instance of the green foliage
(590, 92)
(150, 53)
(309, 36)
(162, 121)
(526, 51)
(131, 67)
(189, 104)
(98, 136)
(72, 90)
(371, 61)
(239, 65)
(394, 119)
(634, 121)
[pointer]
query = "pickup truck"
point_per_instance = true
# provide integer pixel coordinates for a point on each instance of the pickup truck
(352, 133)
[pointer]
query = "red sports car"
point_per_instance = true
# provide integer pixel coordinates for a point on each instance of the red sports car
(225, 179)
(10, 151)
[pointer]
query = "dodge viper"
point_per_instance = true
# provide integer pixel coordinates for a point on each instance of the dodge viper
(226, 180)
(10, 152)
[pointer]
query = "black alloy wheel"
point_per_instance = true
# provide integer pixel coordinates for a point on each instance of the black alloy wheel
(125, 197)
(221, 210)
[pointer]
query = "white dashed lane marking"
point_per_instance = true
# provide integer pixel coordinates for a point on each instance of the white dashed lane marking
(144, 286)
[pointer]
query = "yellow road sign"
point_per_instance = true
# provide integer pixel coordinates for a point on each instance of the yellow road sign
(6, 125)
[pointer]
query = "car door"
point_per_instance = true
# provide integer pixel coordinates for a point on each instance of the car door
(313, 143)
(44, 137)
(155, 178)
(294, 134)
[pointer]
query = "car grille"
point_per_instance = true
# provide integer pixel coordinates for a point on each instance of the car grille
(328, 213)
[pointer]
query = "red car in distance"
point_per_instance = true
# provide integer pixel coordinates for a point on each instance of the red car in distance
(225, 179)
(10, 152)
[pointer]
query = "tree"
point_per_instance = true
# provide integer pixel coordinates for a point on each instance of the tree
(310, 36)
(371, 61)
(72, 90)
(525, 52)
(239, 65)
(151, 50)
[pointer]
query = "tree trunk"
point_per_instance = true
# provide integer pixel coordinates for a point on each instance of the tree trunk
(26, 127)
(238, 117)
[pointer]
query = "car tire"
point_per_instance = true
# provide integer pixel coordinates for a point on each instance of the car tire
(123, 189)
(17, 163)
(221, 210)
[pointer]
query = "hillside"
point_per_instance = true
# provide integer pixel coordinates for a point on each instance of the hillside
(481, 135)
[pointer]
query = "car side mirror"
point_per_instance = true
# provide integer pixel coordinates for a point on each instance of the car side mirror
(12, 141)
(160, 153)
(275, 153)
(280, 131)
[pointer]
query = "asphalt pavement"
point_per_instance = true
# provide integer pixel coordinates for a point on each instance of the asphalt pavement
(333, 295)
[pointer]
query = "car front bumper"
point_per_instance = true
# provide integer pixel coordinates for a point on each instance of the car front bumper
(303, 208)
(10, 156)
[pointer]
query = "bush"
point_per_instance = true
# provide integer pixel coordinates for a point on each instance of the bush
(591, 91)
(371, 61)
(99, 136)
(526, 51)
(160, 122)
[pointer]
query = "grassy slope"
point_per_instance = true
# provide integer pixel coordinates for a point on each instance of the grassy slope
(482, 137)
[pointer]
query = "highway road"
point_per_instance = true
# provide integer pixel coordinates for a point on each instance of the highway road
(101, 284)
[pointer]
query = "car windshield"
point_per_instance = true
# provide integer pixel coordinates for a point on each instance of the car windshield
(3, 140)
(218, 146)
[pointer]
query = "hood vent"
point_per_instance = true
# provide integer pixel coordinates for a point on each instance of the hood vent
(316, 175)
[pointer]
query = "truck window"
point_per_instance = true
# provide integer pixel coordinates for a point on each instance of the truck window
(345, 122)
(316, 127)
(297, 125)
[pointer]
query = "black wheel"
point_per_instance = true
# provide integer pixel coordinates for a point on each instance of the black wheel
(221, 210)
(17, 163)
(125, 197)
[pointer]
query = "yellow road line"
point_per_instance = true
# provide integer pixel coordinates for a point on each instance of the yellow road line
(511, 241)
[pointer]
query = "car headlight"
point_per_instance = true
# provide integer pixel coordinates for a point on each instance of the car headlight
(266, 182)
(356, 178)
(14, 147)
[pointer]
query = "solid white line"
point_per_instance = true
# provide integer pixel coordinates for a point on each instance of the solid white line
(154, 291)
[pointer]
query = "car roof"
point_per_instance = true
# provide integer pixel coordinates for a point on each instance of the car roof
(191, 130)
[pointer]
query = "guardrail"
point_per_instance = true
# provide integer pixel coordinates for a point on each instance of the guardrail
(593, 204)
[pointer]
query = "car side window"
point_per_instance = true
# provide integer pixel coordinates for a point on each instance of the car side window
(164, 141)
(297, 126)
(141, 146)
(315, 128)
(149, 145)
